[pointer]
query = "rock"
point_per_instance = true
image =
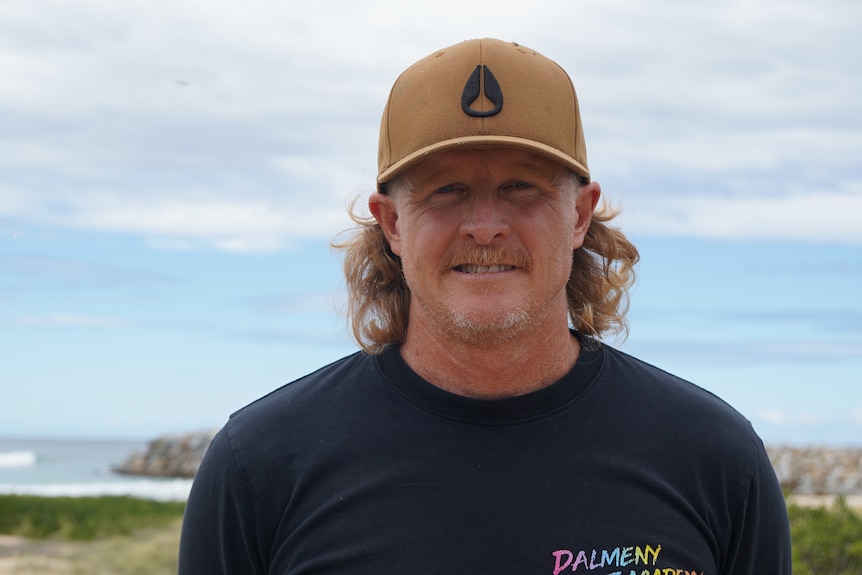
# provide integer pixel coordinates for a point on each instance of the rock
(818, 470)
(169, 456)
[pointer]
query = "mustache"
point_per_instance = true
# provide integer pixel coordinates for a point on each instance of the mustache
(485, 256)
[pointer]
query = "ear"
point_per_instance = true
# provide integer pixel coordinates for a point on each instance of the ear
(382, 207)
(585, 205)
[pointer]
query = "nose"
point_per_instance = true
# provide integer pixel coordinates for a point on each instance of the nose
(485, 219)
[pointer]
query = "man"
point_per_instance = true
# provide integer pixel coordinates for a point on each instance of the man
(485, 429)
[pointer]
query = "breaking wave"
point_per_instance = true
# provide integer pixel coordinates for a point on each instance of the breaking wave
(17, 459)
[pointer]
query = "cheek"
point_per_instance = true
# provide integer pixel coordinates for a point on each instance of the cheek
(571, 229)
(555, 229)
(418, 256)
(406, 231)
(408, 247)
(423, 233)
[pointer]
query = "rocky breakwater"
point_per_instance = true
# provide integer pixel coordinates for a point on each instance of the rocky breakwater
(168, 456)
(818, 470)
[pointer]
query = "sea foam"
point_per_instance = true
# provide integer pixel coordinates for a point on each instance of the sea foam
(17, 459)
(159, 490)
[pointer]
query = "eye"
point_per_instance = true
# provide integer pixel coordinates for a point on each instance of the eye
(519, 185)
(448, 189)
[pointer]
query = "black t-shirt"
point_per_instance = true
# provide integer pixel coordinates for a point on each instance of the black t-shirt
(365, 468)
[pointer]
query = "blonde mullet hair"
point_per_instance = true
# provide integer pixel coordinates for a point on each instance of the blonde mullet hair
(603, 271)
(379, 300)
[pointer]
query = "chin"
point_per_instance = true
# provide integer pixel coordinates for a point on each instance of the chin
(484, 329)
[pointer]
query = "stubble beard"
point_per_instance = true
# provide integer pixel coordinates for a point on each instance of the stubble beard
(481, 331)
(484, 328)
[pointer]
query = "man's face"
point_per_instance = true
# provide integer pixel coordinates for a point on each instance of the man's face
(485, 238)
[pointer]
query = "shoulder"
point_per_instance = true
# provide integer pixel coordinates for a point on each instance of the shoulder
(674, 424)
(320, 391)
(664, 394)
(678, 419)
(685, 438)
(271, 436)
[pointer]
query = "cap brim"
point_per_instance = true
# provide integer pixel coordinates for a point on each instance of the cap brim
(483, 142)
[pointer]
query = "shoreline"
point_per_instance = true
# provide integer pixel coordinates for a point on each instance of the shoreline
(157, 489)
(827, 501)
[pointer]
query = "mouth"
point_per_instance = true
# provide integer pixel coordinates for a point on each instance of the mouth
(483, 260)
(477, 269)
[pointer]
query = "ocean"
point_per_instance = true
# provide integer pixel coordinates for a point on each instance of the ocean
(76, 468)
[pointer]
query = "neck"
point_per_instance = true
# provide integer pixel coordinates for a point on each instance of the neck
(533, 360)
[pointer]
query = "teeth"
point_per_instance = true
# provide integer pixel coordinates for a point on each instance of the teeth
(474, 269)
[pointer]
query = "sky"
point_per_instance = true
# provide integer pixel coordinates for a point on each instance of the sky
(172, 174)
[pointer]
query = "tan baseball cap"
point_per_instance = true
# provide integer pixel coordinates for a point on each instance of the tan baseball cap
(481, 93)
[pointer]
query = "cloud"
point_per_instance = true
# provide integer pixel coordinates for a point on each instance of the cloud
(833, 267)
(305, 337)
(30, 273)
(190, 218)
(806, 428)
(778, 417)
(829, 320)
(245, 127)
(65, 320)
(817, 216)
(302, 303)
(742, 352)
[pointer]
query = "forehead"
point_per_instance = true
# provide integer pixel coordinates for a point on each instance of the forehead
(488, 161)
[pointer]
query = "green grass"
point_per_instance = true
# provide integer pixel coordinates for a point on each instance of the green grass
(136, 536)
(826, 540)
(82, 518)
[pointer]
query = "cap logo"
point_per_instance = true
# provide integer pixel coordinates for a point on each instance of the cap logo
(472, 89)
